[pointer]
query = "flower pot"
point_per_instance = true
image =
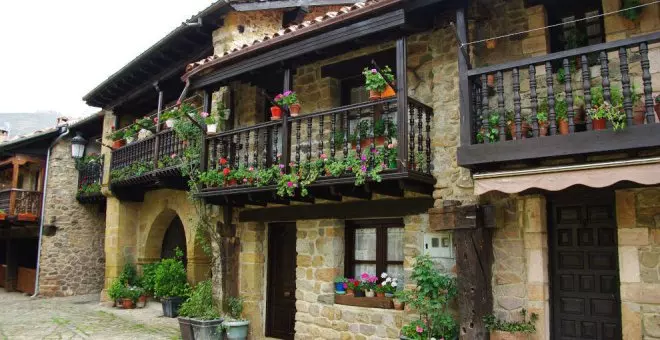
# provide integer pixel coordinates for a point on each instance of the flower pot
(294, 110)
(398, 305)
(359, 293)
(513, 130)
(118, 143)
(491, 44)
(130, 140)
(369, 293)
(205, 329)
(142, 301)
(374, 95)
(276, 113)
(127, 304)
(186, 329)
(599, 124)
(118, 303)
(339, 288)
(237, 330)
(563, 127)
(365, 144)
(639, 115)
(389, 295)
(171, 306)
(379, 141)
(212, 128)
(656, 107)
(389, 92)
(490, 80)
(350, 292)
(380, 294)
(543, 129)
(2, 218)
(501, 335)
(170, 123)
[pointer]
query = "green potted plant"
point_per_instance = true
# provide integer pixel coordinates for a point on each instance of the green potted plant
(542, 119)
(210, 121)
(289, 99)
(630, 8)
(374, 83)
(369, 282)
(117, 137)
(490, 133)
(130, 133)
(515, 330)
(389, 79)
(115, 292)
(340, 285)
(236, 327)
(170, 117)
(130, 295)
(430, 299)
(363, 128)
(607, 112)
(561, 115)
(170, 283)
(199, 318)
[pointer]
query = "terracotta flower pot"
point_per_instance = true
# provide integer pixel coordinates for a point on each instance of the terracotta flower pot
(491, 44)
(118, 144)
(398, 305)
(639, 114)
(389, 92)
(500, 335)
(379, 141)
(599, 124)
(543, 129)
(127, 304)
(142, 301)
(276, 113)
(3, 217)
(380, 294)
(513, 130)
(374, 95)
(563, 127)
(294, 110)
(350, 292)
(491, 80)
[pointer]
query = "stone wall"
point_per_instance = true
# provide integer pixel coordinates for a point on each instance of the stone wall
(618, 27)
(638, 221)
(72, 260)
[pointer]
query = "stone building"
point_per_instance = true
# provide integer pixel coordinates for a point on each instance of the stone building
(564, 226)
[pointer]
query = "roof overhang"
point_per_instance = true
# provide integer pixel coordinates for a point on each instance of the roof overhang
(284, 4)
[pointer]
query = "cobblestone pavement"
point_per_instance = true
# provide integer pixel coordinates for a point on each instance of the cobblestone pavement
(80, 317)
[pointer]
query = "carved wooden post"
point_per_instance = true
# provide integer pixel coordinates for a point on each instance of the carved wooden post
(472, 228)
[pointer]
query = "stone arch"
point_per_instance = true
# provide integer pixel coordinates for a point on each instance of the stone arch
(155, 219)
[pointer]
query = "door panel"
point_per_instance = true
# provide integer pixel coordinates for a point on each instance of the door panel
(584, 270)
(281, 305)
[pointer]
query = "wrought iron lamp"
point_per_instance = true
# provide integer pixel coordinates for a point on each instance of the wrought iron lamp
(78, 146)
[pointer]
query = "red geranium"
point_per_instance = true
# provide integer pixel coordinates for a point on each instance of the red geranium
(222, 161)
(226, 171)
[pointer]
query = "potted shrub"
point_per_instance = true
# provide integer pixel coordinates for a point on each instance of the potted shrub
(607, 112)
(511, 124)
(237, 327)
(130, 295)
(369, 282)
(170, 284)
(391, 153)
(389, 79)
(115, 292)
(516, 330)
(289, 99)
(490, 133)
(561, 114)
(365, 142)
(340, 285)
(430, 299)
(117, 138)
(210, 121)
(199, 319)
(542, 119)
(374, 83)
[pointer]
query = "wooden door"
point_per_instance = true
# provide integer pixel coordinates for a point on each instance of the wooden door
(281, 304)
(584, 276)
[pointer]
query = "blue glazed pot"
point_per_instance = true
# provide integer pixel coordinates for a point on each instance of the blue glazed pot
(339, 287)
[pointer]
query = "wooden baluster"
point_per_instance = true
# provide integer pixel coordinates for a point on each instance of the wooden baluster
(568, 90)
(420, 137)
(333, 128)
(298, 123)
(255, 155)
(500, 105)
(552, 120)
(484, 101)
(276, 135)
(214, 152)
(411, 141)
(625, 83)
(358, 139)
(320, 147)
(346, 126)
(246, 149)
(605, 75)
(428, 113)
(516, 103)
(586, 88)
(533, 100)
(309, 138)
(646, 78)
(476, 107)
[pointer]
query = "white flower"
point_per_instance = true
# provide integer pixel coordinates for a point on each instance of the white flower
(384, 284)
(383, 275)
(394, 284)
(389, 279)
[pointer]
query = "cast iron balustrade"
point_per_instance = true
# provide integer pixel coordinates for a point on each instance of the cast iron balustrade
(330, 134)
(21, 205)
(90, 179)
(505, 100)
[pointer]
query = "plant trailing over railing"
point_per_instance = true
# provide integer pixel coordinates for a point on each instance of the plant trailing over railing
(169, 161)
(525, 326)
(138, 168)
(93, 159)
(89, 189)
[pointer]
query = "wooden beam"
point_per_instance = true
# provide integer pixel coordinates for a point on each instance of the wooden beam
(346, 210)
(465, 106)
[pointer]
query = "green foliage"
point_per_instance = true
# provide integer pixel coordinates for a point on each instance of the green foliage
(116, 289)
(145, 123)
(373, 81)
(383, 127)
(490, 133)
(169, 161)
(129, 275)
(200, 303)
(614, 114)
(616, 95)
(630, 13)
(133, 170)
(430, 298)
(542, 117)
(89, 160)
(525, 326)
(170, 277)
(89, 189)
(148, 279)
(235, 305)
(131, 292)
(340, 279)
(287, 98)
(117, 135)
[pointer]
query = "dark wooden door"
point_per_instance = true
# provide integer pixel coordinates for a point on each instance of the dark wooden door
(584, 275)
(281, 304)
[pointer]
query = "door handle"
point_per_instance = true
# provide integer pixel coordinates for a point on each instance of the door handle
(287, 294)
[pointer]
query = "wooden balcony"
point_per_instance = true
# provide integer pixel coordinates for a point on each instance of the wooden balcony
(401, 124)
(146, 165)
(505, 103)
(90, 179)
(20, 205)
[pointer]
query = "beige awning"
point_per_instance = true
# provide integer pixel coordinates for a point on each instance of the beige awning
(596, 175)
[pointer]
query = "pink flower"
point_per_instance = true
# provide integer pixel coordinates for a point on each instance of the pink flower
(364, 158)
(156, 120)
(251, 168)
(390, 146)
(364, 276)
(363, 168)
(244, 180)
(173, 155)
(278, 97)
(374, 71)
(204, 114)
(279, 155)
(281, 166)
(324, 156)
(345, 285)
(287, 93)
(289, 184)
(419, 329)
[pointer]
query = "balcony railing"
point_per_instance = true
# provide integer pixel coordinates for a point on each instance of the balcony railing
(369, 129)
(90, 179)
(538, 108)
(21, 205)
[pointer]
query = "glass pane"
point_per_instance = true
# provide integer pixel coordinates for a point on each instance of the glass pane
(396, 271)
(395, 244)
(365, 244)
(364, 268)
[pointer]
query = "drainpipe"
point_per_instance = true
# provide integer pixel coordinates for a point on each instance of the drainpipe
(43, 206)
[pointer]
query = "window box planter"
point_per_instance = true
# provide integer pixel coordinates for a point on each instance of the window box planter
(171, 306)
(372, 302)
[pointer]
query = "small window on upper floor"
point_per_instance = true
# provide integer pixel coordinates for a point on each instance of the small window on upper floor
(574, 34)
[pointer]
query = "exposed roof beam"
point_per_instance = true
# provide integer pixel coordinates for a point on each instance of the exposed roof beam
(264, 5)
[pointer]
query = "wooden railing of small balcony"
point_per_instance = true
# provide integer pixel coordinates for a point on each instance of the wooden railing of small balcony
(90, 180)
(331, 134)
(506, 117)
(23, 205)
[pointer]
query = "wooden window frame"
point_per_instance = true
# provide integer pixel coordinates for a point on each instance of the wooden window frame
(381, 226)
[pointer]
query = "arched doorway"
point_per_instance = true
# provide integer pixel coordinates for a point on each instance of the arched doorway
(175, 236)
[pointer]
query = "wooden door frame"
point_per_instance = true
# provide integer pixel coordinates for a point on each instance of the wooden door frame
(270, 272)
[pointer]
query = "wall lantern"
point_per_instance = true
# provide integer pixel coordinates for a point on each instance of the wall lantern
(78, 146)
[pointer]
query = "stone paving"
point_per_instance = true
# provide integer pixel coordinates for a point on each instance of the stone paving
(80, 317)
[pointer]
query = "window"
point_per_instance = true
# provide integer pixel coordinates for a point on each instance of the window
(374, 247)
(574, 34)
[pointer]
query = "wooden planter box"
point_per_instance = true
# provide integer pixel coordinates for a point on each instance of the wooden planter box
(372, 302)
(25, 282)
(499, 335)
(27, 217)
